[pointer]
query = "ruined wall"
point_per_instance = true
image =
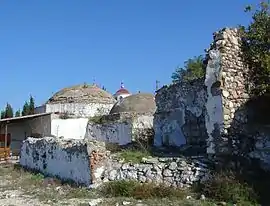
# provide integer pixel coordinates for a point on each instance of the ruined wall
(226, 91)
(177, 172)
(121, 128)
(80, 109)
(180, 114)
(68, 160)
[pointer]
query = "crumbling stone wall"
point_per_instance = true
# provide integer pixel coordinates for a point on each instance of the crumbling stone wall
(226, 78)
(177, 172)
(121, 128)
(180, 114)
(75, 160)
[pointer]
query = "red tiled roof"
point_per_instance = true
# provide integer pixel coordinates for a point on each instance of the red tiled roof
(122, 91)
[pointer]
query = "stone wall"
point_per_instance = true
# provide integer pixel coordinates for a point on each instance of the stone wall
(68, 160)
(79, 109)
(226, 78)
(121, 128)
(89, 163)
(180, 114)
(177, 172)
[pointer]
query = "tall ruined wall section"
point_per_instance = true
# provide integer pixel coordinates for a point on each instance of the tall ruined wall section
(226, 91)
(180, 115)
(209, 111)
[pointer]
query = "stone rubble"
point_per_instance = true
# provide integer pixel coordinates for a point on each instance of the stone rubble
(178, 171)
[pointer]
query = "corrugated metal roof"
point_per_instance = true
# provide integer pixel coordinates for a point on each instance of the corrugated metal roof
(24, 117)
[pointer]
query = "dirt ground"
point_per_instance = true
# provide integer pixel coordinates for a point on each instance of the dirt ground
(19, 187)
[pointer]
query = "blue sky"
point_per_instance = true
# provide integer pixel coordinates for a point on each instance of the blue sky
(48, 45)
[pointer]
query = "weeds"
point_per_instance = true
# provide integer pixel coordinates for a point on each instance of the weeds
(133, 155)
(224, 186)
(140, 191)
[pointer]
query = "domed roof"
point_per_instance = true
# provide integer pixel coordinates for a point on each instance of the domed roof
(139, 103)
(82, 94)
(121, 91)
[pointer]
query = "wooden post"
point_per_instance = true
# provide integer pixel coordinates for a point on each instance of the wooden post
(5, 149)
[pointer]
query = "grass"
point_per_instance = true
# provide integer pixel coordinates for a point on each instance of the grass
(223, 187)
(133, 155)
(140, 191)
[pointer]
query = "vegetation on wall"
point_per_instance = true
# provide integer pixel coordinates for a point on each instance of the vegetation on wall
(193, 69)
(256, 49)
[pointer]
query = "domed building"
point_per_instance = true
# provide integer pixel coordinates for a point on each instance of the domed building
(136, 103)
(80, 101)
(130, 119)
(121, 93)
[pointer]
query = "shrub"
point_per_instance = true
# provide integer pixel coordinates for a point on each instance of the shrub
(119, 188)
(140, 190)
(224, 186)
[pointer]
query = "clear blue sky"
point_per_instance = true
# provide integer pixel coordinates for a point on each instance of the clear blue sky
(48, 45)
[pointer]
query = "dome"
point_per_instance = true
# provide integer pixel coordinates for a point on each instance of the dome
(121, 91)
(139, 103)
(82, 94)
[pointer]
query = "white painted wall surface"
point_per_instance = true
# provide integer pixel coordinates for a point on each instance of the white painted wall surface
(112, 132)
(80, 110)
(67, 160)
(214, 108)
(69, 128)
(118, 132)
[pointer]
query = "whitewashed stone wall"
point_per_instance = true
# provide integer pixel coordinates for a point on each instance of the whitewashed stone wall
(80, 109)
(180, 115)
(226, 91)
(68, 160)
(121, 128)
(69, 128)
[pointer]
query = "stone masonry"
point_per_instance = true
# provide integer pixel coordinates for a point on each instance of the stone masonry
(180, 115)
(211, 111)
(226, 91)
(176, 172)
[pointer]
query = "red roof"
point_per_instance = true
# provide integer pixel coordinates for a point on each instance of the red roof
(122, 91)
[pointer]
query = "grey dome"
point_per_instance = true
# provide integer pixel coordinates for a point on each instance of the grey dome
(82, 94)
(139, 103)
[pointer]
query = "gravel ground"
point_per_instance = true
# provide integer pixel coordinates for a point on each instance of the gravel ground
(21, 188)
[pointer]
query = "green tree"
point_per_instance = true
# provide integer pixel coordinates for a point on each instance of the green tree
(31, 105)
(26, 109)
(8, 111)
(18, 113)
(193, 69)
(2, 114)
(256, 49)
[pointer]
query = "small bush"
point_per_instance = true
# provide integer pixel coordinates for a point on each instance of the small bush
(140, 191)
(224, 186)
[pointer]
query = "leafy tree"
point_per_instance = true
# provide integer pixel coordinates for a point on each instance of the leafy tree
(256, 49)
(2, 114)
(8, 111)
(31, 105)
(18, 113)
(193, 69)
(26, 109)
